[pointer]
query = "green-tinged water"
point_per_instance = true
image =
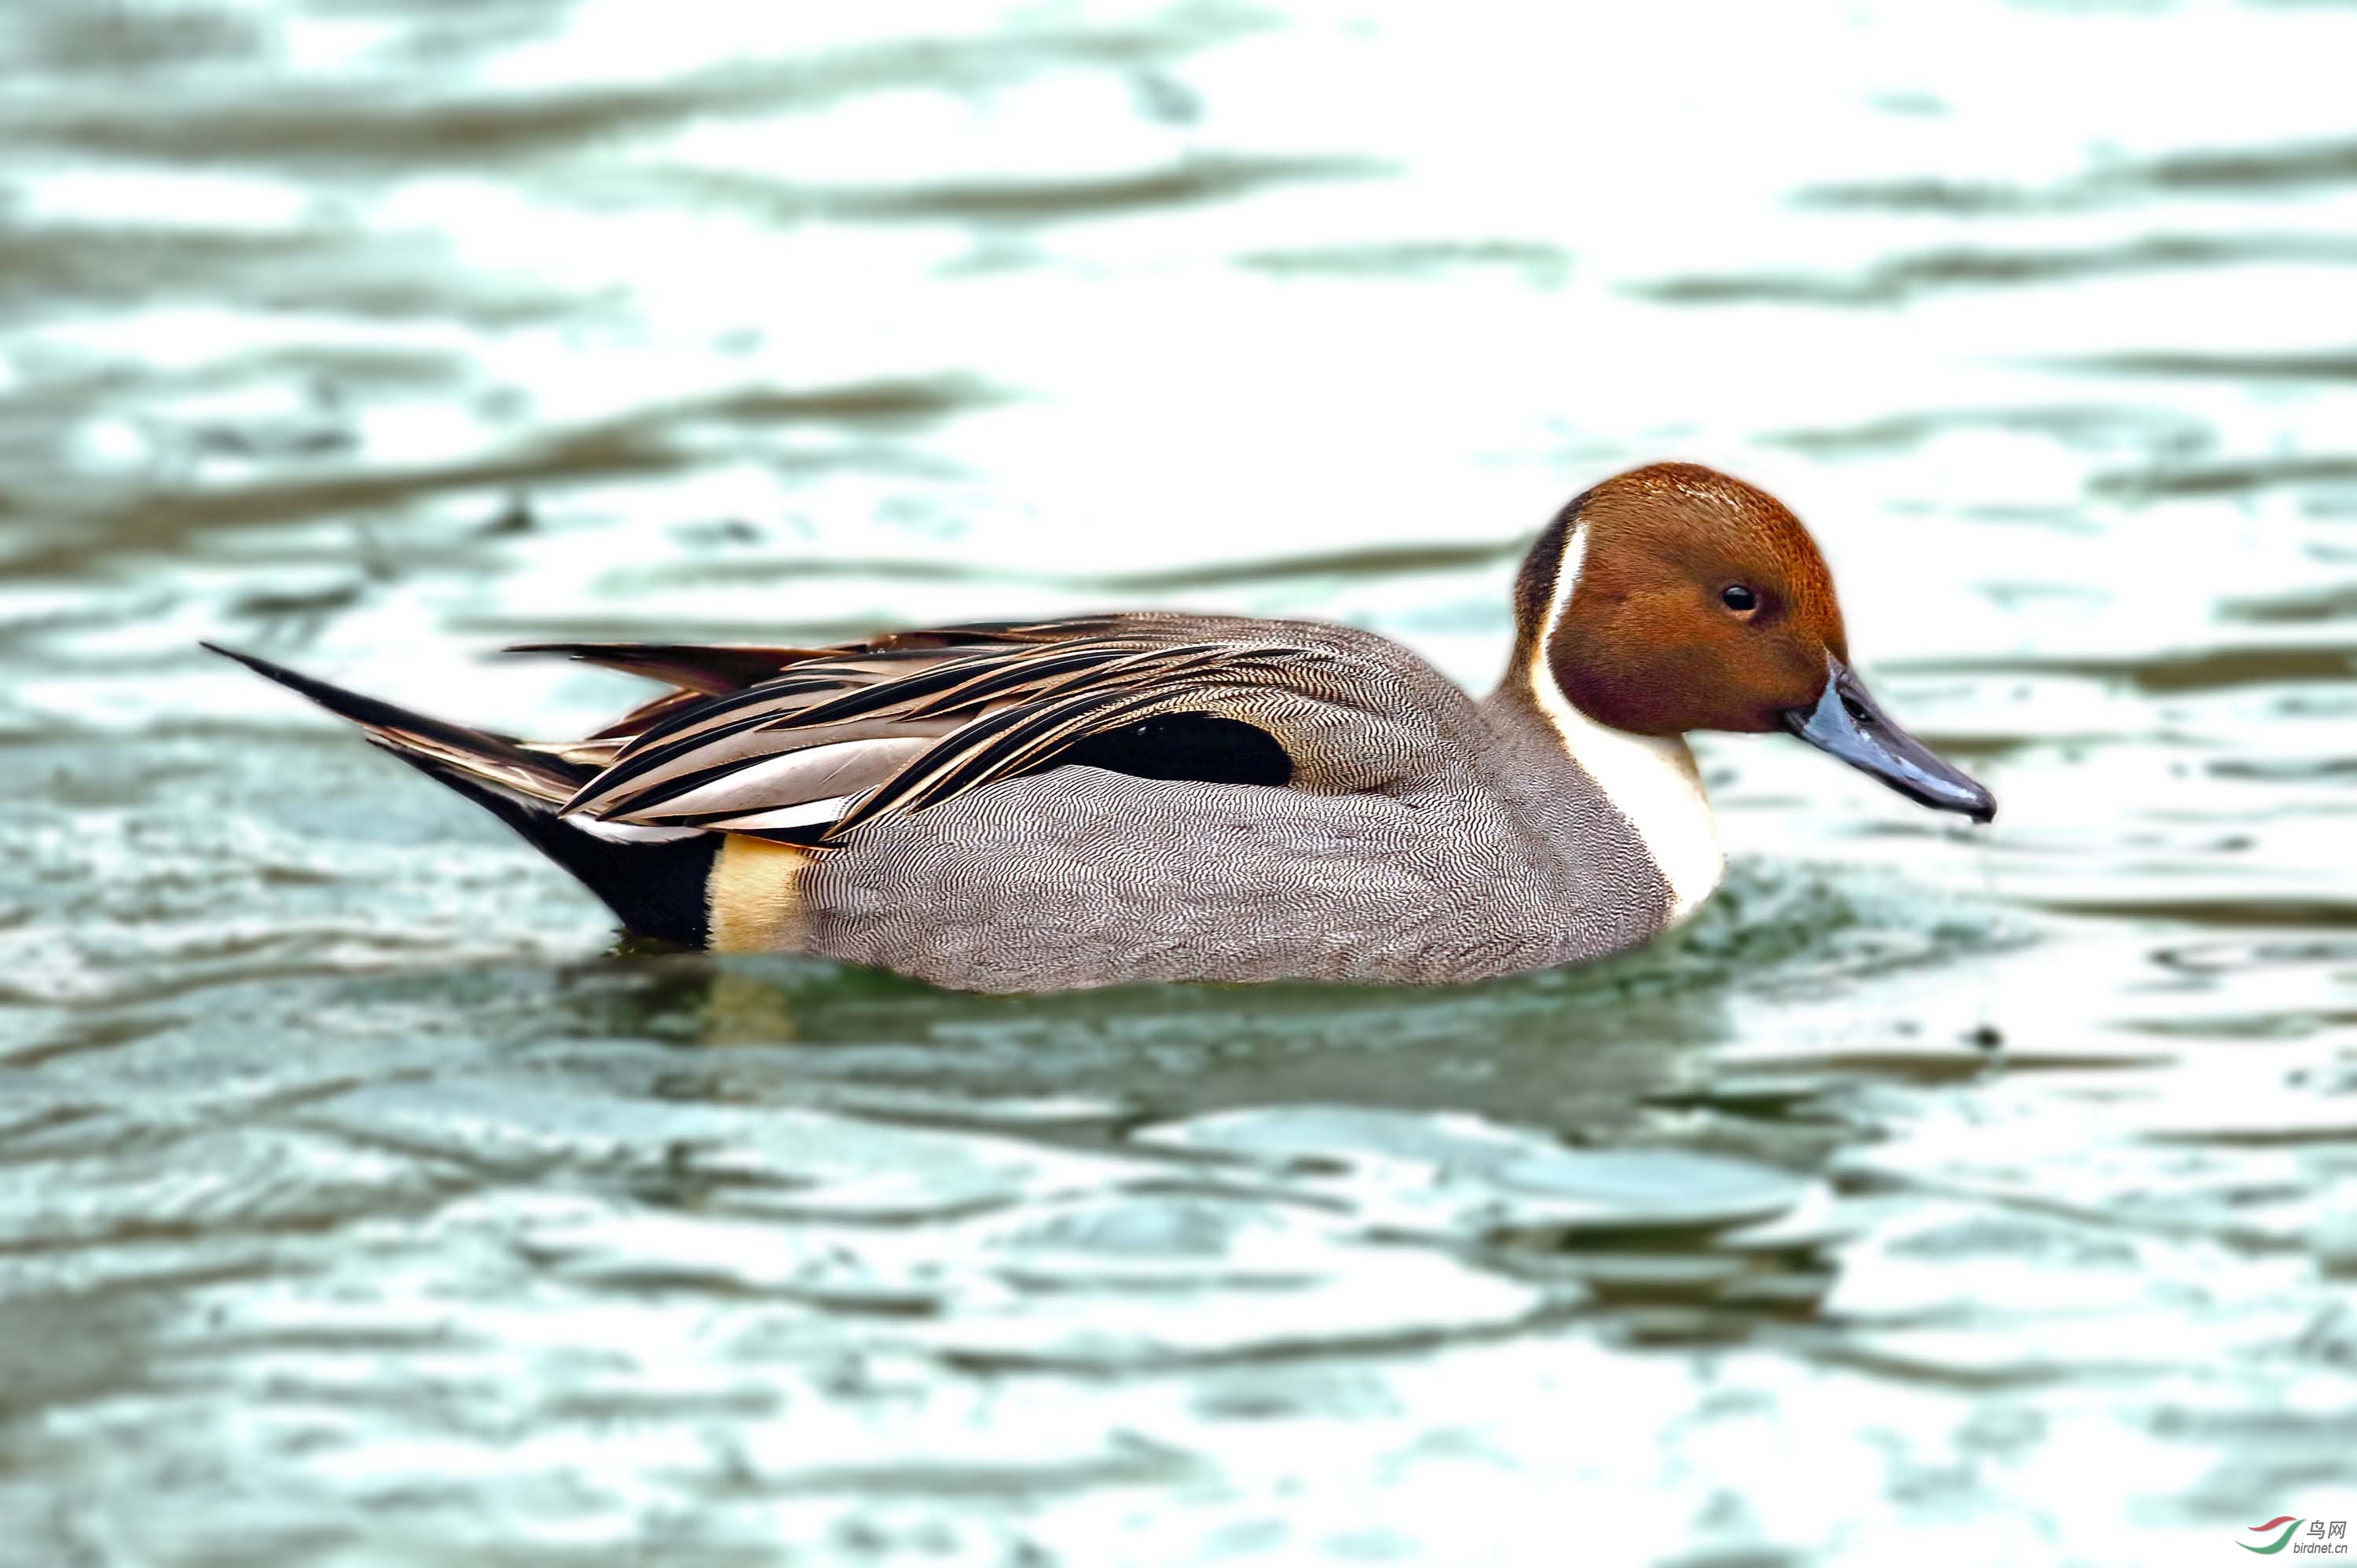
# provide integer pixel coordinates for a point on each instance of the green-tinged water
(1938, 1195)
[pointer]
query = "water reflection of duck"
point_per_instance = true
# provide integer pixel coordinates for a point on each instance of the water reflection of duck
(1156, 796)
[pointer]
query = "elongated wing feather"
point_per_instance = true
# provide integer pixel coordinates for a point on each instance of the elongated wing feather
(708, 669)
(700, 671)
(715, 669)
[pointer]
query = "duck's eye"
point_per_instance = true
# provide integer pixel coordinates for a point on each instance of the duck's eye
(1738, 598)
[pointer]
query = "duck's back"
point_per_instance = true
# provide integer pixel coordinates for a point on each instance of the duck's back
(1039, 805)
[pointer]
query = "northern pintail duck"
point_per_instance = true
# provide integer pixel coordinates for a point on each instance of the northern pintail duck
(1151, 795)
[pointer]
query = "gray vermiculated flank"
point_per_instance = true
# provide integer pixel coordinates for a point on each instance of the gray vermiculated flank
(1479, 849)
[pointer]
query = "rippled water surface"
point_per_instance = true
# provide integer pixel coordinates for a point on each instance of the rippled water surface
(1991, 1195)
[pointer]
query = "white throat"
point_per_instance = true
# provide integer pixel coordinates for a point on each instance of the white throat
(1650, 780)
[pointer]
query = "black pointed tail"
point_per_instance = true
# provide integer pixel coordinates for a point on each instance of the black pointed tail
(656, 887)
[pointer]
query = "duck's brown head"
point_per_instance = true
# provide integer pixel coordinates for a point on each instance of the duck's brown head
(1673, 597)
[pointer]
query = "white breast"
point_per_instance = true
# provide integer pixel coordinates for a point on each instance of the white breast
(1651, 779)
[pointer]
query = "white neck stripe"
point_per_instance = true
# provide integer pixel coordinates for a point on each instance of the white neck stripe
(1650, 780)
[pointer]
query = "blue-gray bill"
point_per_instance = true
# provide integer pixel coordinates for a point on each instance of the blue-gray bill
(1847, 723)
